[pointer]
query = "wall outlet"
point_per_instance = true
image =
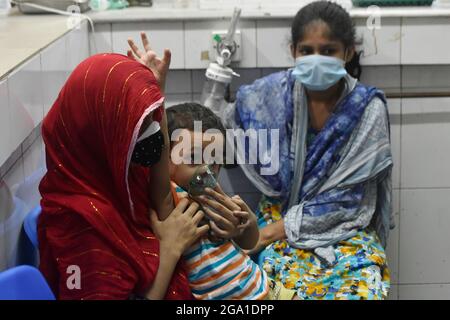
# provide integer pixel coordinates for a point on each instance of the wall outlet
(237, 56)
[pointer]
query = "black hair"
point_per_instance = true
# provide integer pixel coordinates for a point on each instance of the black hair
(339, 23)
(182, 116)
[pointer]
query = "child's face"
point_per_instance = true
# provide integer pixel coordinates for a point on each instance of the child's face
(316, 40)
(182, 174)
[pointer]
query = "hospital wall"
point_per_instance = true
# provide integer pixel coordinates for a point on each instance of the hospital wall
(419, 246)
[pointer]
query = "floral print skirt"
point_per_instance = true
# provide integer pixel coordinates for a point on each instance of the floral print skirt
(359, 272)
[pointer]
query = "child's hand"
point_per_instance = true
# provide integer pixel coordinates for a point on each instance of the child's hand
(149, 58)
(224, 222)
(249, 239)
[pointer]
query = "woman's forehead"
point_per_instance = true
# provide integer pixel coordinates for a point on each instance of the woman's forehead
(318, 33)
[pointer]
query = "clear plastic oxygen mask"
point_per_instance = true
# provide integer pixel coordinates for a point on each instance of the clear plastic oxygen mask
(204, 177)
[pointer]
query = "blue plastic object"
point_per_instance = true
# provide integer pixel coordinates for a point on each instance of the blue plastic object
(24, 283)
(30, 226)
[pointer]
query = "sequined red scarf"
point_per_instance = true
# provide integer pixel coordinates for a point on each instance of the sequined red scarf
(94, 220)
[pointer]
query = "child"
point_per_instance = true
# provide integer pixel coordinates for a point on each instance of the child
(218, 268)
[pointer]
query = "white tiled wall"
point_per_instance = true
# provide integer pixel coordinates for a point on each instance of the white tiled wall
(431, 78)
(5, 148)
(393, 292)
(103, 39)
(266, 43)
(384, 77)
(78, 46)
(425, 143)
(394, 106)
(26, 95)
(425, 41)
(424, 292)
(392, 248)
(161, 35)
(424, 243)
(25, 100)
(273, 42)
(380, 46)
(418, 248)
(55, 70)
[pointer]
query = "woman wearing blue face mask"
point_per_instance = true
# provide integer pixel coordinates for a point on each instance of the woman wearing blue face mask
(325, 215)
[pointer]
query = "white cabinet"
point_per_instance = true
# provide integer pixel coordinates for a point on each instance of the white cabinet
(198, 37)
(161, 35)
(426, 40)
(273, 43)
(380, 46)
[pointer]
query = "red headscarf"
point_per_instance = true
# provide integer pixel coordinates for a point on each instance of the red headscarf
(95, 207)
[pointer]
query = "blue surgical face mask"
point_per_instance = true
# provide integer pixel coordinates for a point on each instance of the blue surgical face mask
(317, 72)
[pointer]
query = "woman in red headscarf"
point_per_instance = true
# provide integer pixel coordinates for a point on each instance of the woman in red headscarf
(95, 230)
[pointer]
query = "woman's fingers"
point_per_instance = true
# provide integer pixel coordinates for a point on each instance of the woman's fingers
(201, 231)
(145, 42)
(131, 55)
(167, 57)
(242, 215)
(217, 231)
(219, 196)
(241, 203)
(222, 197)
(135, 48)
(229, 201)
(192, 209)
(198, 216)
(149, 59)
(225, 213)
(219, 220)
(181, 207)
(244, 218)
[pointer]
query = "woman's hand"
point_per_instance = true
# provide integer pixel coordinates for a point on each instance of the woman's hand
(177, 233)
(149, 58)
(180, 230)
(226, 219)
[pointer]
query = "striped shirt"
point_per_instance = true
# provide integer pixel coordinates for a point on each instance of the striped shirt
(221, 270)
